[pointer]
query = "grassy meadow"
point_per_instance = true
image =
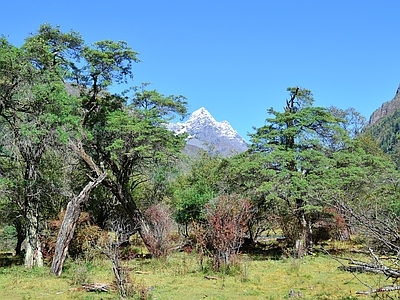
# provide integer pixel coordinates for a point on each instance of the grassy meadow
(180, 276)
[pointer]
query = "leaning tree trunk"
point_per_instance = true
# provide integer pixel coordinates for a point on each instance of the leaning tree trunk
(68, 225)
(120, 191)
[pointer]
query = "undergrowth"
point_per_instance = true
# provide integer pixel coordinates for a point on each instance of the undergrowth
(180, 276)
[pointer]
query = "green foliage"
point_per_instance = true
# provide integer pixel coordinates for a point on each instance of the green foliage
(194, 189)
(303, 160)
(55, 97)
(31, 116)
(386, 133)
(8, 237)
(61, 120)
(294, 150)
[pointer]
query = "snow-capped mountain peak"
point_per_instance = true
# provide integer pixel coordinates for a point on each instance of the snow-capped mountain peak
(201, 113)
(206, 133)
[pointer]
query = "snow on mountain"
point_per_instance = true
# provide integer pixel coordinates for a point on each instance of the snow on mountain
(206, 133)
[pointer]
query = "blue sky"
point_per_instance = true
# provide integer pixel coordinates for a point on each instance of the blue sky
(236, 58)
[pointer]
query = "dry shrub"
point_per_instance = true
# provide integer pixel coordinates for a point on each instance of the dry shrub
(158, 233)
(223, 232)
(86, 235)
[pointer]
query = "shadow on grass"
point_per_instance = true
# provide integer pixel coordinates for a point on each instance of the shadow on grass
(277, 248)
(8, 259)
(263, 250)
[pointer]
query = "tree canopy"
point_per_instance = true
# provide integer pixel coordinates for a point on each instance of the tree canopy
(77, 133)
(55, 95)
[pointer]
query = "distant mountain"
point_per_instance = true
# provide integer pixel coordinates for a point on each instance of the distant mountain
(387, 109)
(208, 134)
(384, 126)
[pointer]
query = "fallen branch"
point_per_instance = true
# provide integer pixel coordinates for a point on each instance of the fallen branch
(362, 267)
(211, 277)
(379, 268)
(371, 268)
(381, 290)
(96, 287)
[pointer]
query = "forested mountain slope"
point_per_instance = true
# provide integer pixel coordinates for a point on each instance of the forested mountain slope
(384, 126)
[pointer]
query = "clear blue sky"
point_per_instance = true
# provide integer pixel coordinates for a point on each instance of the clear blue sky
(236, 58)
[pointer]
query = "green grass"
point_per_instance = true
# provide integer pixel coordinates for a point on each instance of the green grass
(180, 277)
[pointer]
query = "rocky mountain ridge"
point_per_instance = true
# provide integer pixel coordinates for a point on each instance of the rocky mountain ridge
(386, 109)
(208, 134)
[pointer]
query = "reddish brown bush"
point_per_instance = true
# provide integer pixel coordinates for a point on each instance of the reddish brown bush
(158, 233)
(333, 224)
(86, 235)
(225, 227)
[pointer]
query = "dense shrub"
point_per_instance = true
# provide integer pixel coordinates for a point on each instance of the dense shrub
(223, 232)
(158, 233)
(85, 237)
(327, 224)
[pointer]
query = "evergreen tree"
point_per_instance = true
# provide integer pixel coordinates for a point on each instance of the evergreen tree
(295, 150)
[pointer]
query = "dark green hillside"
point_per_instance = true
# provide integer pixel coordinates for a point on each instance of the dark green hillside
(386, 133)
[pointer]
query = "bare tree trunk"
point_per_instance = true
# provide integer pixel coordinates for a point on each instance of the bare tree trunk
(119, 272)
(33, 255)
(122, 231)
(68, 225)
(304, 244)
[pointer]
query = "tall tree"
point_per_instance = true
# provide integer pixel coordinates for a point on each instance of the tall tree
(33, 104)
(122, 133)
(56, 89)
(129, 140)
(296, 146)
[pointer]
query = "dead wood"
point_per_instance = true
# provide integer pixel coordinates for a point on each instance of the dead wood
(69, 224)
(390, 288)
(377, 267)
(96, 287)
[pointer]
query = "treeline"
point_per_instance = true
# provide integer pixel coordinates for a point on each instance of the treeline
(71, 149)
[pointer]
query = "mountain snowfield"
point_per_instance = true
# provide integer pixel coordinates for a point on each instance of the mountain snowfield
(208, 134)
